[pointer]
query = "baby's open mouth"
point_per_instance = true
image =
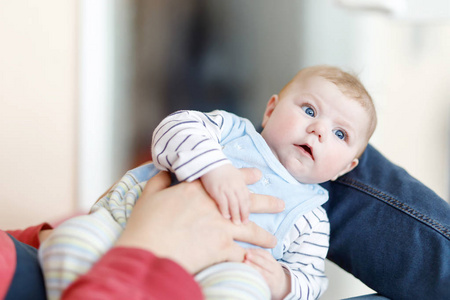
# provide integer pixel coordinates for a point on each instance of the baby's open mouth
(307, 149)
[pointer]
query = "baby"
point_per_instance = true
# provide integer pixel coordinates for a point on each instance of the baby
(313, 131)
(316, 128)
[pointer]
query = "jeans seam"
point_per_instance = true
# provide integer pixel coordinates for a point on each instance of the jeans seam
(396, 204)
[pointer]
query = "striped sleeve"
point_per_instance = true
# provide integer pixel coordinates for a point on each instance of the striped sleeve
(304, 259)
(187, 143)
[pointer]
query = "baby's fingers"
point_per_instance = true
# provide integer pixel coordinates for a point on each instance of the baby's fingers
(262, 259)
(222, 203)
(258, 267)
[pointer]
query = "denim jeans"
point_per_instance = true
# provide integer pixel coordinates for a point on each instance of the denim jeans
(389, 230)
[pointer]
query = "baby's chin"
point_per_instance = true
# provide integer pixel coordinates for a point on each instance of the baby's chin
(307, 180)
(302, 176)
(305, 177)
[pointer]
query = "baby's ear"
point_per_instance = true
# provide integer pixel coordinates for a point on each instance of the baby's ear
(269, 109)
(347, 169)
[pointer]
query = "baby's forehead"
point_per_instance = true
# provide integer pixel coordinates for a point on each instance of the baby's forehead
(305, 75)
(305, 82)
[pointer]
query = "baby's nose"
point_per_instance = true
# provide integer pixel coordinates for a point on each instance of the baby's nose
(317, 129)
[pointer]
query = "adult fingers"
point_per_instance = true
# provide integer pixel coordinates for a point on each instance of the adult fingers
(244, 205)
(260, 257)
(236, 253)
(251, 175)
(234, 207)
(253, 234)
(260, 203)
(157, 183)
(265, 204)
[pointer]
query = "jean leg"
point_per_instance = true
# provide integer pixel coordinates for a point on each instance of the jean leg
(368, 297)
(389, 230)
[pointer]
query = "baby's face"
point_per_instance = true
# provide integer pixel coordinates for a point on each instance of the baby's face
(315, 130)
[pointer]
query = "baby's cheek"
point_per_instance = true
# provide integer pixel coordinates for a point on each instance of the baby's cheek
(332, 168)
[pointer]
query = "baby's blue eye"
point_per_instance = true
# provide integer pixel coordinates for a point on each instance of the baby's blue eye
(309, 111)
(340, 134)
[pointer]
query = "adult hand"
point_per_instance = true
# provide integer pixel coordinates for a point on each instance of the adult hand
(183, 223)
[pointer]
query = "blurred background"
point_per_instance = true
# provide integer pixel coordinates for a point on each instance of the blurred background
(83, 84)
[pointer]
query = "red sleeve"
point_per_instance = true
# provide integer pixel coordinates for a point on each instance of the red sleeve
(130, 273)
(7, 262)
(29, 236)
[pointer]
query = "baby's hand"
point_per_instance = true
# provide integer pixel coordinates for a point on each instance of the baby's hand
(278, 280)
(226, 185)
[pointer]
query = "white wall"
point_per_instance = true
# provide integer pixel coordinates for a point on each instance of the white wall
(105, 123)
(408, 69)
(37, 110)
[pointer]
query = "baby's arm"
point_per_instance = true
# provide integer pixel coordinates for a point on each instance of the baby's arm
(187, 143)
(305, 258)
(299, 274)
